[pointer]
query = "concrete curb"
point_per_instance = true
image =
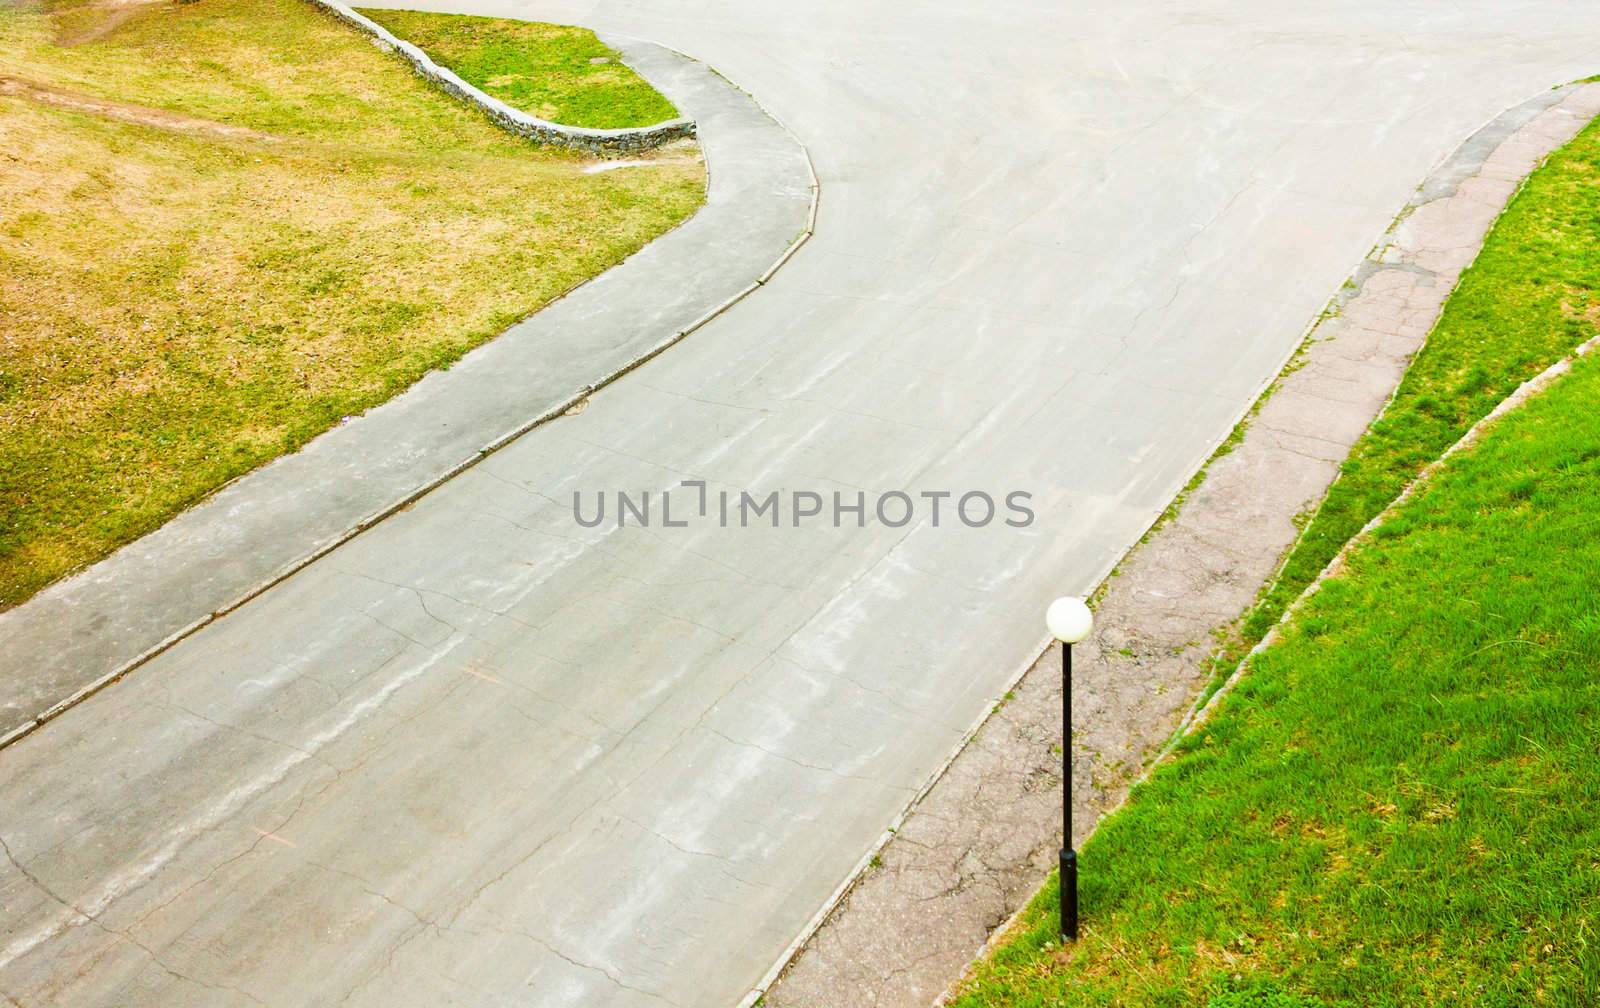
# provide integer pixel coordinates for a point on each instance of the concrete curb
(911, 867)
(776, 970)
(595, 141)
(102, 615)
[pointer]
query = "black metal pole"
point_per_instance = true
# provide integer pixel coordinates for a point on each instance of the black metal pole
(1069, 857)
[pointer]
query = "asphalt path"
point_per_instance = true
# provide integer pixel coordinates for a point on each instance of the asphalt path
(482, 754)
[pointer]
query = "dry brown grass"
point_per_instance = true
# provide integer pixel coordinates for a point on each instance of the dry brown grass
(224, 225)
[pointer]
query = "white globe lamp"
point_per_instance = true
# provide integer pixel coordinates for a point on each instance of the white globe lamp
(1069, 621)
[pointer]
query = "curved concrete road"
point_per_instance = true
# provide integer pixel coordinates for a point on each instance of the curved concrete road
(481, 755)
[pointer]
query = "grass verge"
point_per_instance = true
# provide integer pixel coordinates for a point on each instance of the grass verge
(559, 73)
(1527, 300)
(227, 224)
(1393, 807)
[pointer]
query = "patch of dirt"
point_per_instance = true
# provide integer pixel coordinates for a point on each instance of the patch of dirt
(143, 115)
(605, 166)
(681, 152)
(112, 14)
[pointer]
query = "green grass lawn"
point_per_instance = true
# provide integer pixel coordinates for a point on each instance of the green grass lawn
(226, 224)
(556, 72)
(1397, 803)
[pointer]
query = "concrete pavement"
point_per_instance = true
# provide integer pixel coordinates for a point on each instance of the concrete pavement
(483, 755)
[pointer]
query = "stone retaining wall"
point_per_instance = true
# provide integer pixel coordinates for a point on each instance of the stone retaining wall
(595, 141)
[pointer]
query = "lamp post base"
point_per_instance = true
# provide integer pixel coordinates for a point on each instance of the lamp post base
(1069, 895)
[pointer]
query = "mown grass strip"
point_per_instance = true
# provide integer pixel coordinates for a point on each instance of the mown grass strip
(559, 73)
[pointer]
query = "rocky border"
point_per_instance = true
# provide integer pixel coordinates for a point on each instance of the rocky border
(628, 140)
(968, 855)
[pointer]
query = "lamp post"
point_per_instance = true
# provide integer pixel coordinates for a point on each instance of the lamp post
(1070, 621)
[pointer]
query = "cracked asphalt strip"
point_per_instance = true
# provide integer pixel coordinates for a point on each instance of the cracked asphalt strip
(976, 848)
(624, 767)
